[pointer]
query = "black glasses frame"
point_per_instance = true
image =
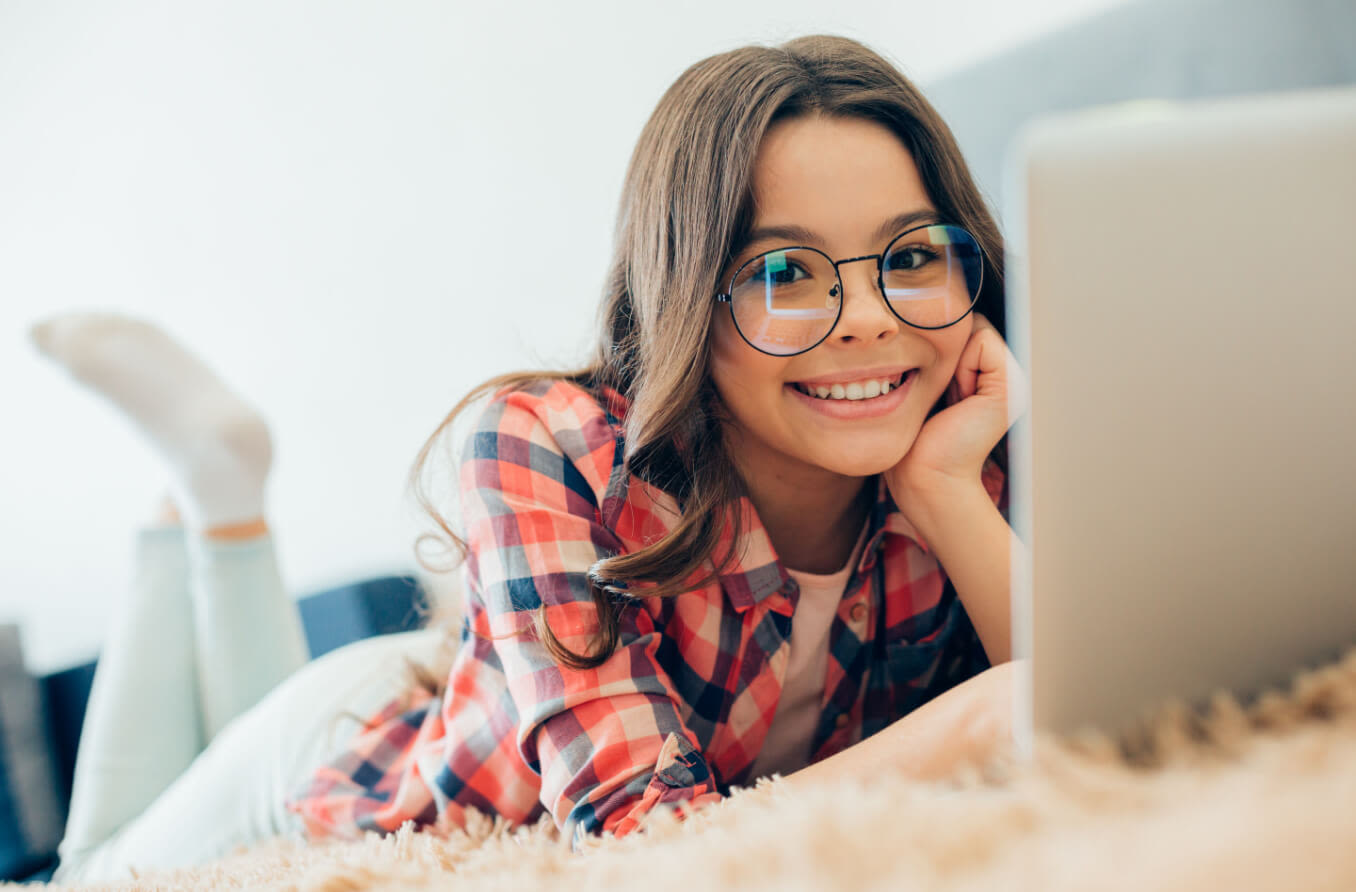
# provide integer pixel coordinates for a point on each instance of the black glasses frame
(726, 297)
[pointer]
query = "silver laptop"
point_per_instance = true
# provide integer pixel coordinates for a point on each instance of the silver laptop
(1182, 292)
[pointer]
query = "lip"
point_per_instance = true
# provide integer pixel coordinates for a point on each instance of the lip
(878, 372)
(854, 409)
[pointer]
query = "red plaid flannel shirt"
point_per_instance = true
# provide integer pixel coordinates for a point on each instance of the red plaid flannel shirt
(681, 709)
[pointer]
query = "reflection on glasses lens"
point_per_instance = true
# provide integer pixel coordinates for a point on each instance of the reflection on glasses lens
(786, 301)
(931, 275)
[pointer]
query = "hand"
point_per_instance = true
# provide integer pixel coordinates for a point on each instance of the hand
(971, 723)
(986, 395)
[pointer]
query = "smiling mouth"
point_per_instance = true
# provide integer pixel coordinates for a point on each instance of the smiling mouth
(866, 389)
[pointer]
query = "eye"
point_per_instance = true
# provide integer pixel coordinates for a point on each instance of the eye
(775, 269)
(905, 257)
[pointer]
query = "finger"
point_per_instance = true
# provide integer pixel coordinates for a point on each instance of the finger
(988, 365)
(1002, 377)
(980, 365)
(1018, 390)
(965, 381)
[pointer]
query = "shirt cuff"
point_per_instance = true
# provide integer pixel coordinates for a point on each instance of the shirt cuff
(680, 775)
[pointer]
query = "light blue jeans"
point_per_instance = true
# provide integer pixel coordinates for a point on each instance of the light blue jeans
(205, 714)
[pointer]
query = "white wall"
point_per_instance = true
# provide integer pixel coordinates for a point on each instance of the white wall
(326, 200)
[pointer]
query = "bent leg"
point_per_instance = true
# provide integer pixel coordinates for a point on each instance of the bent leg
(142, 726)
(248, 631)
(234, 793)
(208, 631)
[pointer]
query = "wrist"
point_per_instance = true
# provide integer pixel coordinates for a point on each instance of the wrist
(938, 501)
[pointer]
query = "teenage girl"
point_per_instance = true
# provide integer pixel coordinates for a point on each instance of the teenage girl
(761, 532)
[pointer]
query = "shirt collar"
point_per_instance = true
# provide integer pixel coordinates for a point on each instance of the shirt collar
(756, 572)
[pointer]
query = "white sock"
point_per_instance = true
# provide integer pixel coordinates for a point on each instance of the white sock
(217, 447)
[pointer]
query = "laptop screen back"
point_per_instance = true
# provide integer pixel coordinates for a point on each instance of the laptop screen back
(1182, 291)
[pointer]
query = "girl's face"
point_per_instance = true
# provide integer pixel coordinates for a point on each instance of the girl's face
(839, 182)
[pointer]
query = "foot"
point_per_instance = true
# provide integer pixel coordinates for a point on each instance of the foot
(217, 447)
(166, 513)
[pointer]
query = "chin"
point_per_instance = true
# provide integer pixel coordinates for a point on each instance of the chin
(865, 462)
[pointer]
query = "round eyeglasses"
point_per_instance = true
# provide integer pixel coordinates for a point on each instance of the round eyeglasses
(788, 300)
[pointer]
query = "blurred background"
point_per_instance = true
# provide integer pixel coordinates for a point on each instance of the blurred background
(326, 201)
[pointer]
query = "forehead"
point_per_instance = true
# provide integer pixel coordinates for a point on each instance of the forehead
(839, 177)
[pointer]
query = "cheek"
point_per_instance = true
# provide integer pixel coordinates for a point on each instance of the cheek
(947, 346)
(724, 368)
(950, 344)
(725, 341)
(745, 379)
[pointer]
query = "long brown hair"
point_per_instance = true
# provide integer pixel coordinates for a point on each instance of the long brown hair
(685, 211)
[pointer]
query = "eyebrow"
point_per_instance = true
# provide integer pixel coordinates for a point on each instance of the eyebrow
(801, 236)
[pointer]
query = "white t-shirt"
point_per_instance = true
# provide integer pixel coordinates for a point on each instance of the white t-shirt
(787, 747)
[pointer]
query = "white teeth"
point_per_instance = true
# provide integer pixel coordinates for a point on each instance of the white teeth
(856, 390)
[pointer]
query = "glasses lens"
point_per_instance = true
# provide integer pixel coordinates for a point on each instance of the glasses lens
(785, 301)
(932, 275)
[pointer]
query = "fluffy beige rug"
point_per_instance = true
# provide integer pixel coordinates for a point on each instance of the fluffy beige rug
(1222, 799)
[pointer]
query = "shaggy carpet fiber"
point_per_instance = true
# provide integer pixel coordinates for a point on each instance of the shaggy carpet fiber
(1224, 797)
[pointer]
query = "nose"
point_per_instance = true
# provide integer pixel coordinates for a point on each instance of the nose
(864, 318)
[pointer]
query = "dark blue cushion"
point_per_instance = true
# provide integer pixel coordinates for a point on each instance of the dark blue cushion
(349, 613)
(31, 813)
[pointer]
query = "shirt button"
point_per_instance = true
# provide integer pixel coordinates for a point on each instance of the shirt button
(858, 612)
(842, 720)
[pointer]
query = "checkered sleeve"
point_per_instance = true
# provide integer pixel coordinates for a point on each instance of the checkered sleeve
(608, 743)
(374, 783)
